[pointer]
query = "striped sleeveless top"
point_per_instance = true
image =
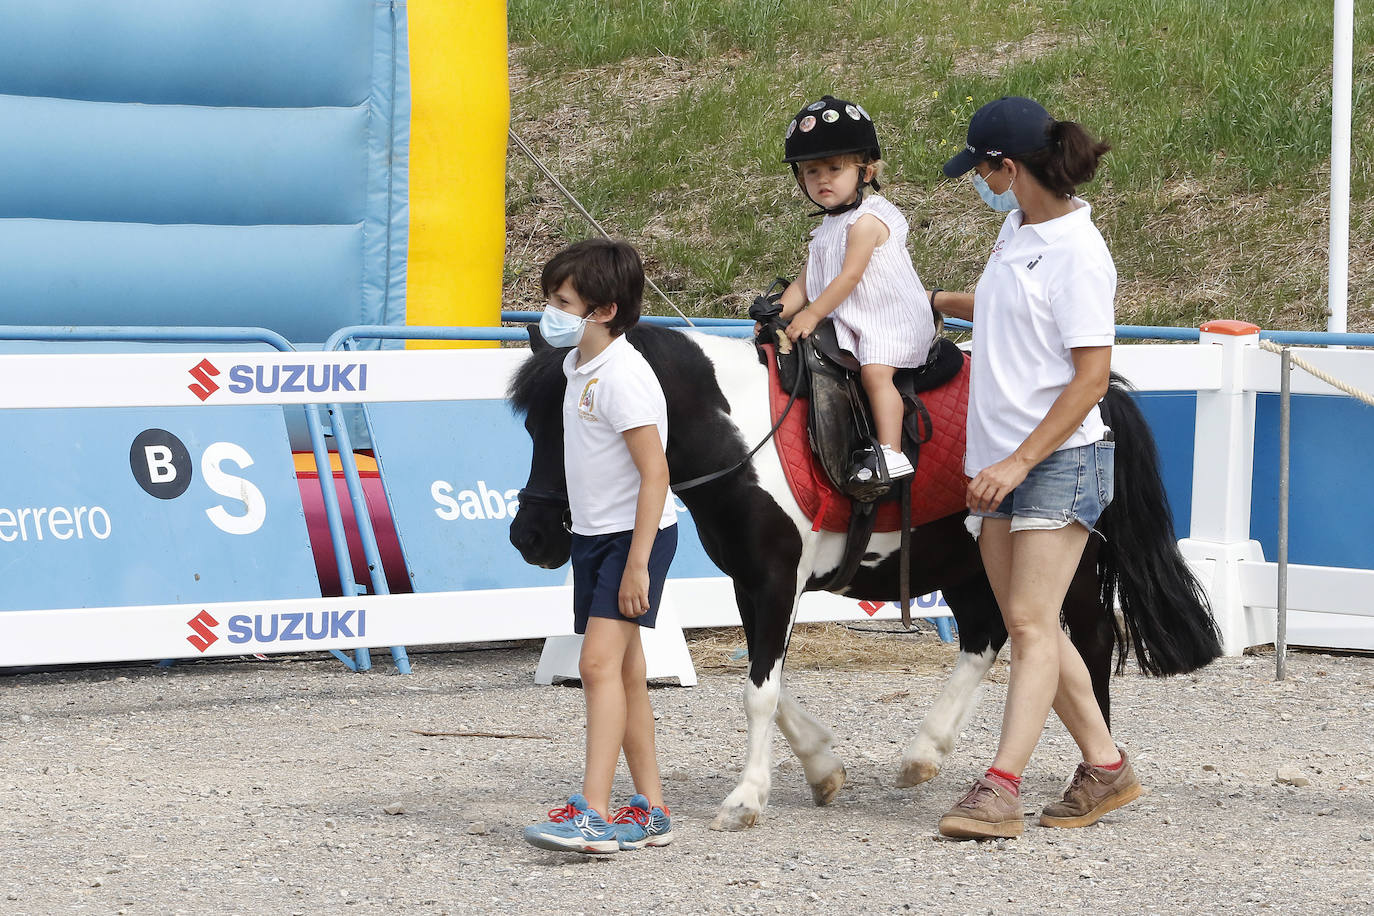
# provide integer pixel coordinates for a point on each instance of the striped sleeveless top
(887, 318)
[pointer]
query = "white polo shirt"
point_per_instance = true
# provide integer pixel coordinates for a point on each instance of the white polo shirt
(1047, 288)
(613, 392)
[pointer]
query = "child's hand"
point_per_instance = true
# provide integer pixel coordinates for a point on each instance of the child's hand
(803, 324)
(634, 592)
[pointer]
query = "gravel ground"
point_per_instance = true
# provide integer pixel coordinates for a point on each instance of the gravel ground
(265, 787)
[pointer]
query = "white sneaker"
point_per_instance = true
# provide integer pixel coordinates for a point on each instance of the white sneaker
(897, 464)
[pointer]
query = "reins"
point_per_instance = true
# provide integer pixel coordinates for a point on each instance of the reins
(715, 475)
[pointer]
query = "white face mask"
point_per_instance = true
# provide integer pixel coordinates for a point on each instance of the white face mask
(1002, 203)
(561, 329)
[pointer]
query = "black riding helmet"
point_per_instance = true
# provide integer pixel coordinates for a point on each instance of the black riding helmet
(831, 127)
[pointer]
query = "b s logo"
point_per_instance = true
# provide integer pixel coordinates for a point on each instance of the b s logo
(161, 463)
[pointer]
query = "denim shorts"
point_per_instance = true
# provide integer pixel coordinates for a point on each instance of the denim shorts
(598, 563)
(1071, 485)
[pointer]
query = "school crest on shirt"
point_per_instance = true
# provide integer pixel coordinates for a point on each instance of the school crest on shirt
(586, 404)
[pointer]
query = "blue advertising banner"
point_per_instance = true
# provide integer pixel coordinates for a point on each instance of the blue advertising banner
(452, 471)
(134, 506)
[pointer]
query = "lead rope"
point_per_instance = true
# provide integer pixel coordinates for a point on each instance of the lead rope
(707, 478)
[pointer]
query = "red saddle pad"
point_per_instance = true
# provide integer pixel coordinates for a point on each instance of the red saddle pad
(937, 490)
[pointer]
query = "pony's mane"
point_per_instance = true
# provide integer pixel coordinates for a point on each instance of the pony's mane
(537, 378)
(674, 357)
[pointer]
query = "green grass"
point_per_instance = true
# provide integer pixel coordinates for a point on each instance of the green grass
(665, 118)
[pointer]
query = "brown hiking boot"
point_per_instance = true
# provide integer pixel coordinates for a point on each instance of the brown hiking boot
(987, 812)
(1092, 792)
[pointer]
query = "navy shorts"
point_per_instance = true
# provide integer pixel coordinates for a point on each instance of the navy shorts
(1071, 485)
(598, 562)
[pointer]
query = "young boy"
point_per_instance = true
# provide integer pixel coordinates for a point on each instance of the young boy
(624, 534)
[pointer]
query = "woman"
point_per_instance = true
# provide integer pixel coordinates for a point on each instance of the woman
(1039, 456)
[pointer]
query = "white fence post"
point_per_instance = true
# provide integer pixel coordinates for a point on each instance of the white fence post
(1223, 458)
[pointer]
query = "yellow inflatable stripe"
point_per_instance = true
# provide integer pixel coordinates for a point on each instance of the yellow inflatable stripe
(460, 112)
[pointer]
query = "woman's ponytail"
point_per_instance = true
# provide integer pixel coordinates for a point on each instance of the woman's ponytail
(1069, 161)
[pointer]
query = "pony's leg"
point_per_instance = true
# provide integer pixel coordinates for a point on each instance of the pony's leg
(762, 691)
(981, 635)
(1092, 628)
(813, 744)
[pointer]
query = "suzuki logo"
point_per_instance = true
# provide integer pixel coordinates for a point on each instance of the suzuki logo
(201, 373)
(204, 637)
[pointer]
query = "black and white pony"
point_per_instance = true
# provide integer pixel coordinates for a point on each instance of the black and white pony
(752, 528)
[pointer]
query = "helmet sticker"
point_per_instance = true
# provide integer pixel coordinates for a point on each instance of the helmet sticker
(852, 112)
(791, 128)
(864, 113)
(816, 106)
(830, 116)
(807, 123)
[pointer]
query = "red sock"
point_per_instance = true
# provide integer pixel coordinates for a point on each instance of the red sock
(1111, 766)
(1004, 779)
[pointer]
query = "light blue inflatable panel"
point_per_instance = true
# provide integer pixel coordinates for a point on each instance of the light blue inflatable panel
(268, 53)
(203, 162)
(181, 164)
(292, 279)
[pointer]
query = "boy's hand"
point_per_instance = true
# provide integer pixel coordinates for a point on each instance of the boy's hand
(634, 591)
(803, 324)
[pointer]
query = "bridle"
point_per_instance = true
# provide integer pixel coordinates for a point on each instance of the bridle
(556, 498)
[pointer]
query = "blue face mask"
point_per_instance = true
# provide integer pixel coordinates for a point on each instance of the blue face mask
(561, 329)
(1002, 203)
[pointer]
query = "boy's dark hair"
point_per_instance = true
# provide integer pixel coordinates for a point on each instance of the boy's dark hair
(602, 271)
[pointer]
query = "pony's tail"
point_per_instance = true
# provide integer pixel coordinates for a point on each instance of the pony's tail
(1168, 619)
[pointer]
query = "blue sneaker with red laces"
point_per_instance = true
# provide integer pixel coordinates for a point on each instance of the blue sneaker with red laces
(574, 828)
(637, 825)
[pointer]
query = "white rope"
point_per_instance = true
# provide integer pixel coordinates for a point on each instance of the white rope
(1307, 367)
(529, 154)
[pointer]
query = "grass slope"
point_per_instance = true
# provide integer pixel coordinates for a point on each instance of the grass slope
(666, 120)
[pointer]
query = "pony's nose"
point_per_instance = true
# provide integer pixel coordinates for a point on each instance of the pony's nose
(525, 539)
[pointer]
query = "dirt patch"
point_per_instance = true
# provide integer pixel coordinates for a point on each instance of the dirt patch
(879, 646)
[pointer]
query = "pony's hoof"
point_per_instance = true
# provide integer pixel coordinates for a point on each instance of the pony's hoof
(824, 792)
(915, 772)
(736, 818)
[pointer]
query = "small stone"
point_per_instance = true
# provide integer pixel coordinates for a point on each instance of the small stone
(1209, 767)
(396, 808)
(1366, 836)
(477, 828)
(1285, 717)
(1363, 778)
(1326, 812)
(1291, 776)
(26, 718)
(330, 823)
(97, 882)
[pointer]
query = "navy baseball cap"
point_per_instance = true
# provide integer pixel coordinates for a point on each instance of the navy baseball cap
(1009, 127)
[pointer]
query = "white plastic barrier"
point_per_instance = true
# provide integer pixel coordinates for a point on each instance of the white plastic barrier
(1330, 606)
(209, 380)
(1225, 369)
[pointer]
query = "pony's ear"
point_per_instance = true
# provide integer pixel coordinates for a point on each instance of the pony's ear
(537, 341)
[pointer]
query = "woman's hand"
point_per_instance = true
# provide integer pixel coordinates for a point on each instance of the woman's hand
(634, 591)
(802, 325)
(995, 482)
